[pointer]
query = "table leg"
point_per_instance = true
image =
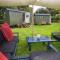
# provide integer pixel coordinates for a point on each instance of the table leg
(43, 43)
(48, 47)
(29, 46)
(51, 47)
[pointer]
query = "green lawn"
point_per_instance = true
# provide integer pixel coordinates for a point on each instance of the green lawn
(46, 30)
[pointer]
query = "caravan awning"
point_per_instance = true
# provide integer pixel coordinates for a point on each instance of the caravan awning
(47, 3)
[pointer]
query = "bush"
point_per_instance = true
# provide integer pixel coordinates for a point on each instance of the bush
(55, 18)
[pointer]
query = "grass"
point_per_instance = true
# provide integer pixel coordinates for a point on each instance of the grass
(45, 30)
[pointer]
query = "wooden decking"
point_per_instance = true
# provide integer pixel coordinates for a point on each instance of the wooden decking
(45, 56)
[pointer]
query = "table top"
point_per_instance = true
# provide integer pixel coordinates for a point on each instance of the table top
(39, 39)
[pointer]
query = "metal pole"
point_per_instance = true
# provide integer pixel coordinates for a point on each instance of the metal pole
(32, 22)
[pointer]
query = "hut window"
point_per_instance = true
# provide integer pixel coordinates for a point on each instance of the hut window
(27, 15)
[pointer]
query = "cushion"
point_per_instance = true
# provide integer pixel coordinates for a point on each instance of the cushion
(9, 47)
(7, 32)
(2, 39)
(3, 57)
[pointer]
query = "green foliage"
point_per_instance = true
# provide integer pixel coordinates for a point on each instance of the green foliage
(53, 12)
(55, 18)
(1, 13)
(2, 9)
(25, 8)
(42, 11)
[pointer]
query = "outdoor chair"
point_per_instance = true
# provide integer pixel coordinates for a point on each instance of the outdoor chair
(56, 35)
(9, 47)
(8, 44)
(8, 41)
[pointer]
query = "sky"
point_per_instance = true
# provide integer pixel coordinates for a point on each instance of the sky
(48, 3)
(51, 1)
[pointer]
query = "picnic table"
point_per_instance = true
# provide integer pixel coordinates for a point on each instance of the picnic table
(42, 39)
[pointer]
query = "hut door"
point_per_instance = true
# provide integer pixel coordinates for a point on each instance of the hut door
(27, 17)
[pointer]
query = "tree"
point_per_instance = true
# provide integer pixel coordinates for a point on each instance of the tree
(42, 11)
(2, 9)
(24, 8)
(53, 12)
